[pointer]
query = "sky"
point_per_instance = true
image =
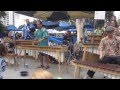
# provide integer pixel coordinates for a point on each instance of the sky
(20, 19)
(117, 14)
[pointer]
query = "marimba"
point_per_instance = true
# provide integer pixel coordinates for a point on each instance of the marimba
(109, 70)
(57, 52)
(24, 42)
(91, 48)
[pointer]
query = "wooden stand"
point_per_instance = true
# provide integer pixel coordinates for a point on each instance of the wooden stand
(109, 72)
(55, 49)
(85, 47)
(94, 39)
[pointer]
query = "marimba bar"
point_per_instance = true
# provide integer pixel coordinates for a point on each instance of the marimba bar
(110, 70)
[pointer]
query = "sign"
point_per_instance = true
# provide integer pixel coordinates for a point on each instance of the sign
(99, 15)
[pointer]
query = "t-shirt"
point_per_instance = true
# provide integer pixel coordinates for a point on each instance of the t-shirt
(110, 46)
(40, 34)
(67, 40)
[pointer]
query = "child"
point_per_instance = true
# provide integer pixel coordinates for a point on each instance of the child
(2, 61)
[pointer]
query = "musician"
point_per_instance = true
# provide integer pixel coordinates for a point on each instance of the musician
(41, 37)
(68, 40)
(29, 30)
(115, 25)
(8, 43)
(109, 48)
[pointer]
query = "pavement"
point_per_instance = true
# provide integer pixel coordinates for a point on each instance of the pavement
(11, 73)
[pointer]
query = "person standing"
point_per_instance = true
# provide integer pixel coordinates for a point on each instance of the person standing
(41, 38)
(29, 30)
(2, 60)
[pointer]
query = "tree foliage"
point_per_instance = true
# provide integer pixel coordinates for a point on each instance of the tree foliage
(2, 27)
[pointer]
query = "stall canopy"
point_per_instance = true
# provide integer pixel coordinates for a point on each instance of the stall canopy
(50, 24)
(11, 27)
(65, 25)
(57, 15)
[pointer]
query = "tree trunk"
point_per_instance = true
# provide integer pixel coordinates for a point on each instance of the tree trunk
(79, 26)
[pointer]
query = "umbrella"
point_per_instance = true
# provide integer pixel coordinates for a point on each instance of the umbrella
(11, 27)
(61, 15)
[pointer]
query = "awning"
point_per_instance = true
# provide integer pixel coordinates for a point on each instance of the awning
(57, 15)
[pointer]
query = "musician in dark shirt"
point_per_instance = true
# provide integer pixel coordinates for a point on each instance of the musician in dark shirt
(68, 40)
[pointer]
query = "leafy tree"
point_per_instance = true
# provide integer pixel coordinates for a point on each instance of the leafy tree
(2, 27)
(2, 14)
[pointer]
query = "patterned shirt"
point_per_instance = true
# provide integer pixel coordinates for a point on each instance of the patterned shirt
(110, 46)
(116, 32)
(40, 34)
(2, 66)
(9, 44)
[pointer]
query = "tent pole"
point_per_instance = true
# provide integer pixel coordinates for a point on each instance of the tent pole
(14, 31)
(79, 26)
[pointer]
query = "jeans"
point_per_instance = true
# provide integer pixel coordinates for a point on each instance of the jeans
(110, 60)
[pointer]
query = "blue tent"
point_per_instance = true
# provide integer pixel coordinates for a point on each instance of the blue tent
(65, 25)
(56, 40)
(50, 24)
(11, 27)
(73, 30)
(88, 27)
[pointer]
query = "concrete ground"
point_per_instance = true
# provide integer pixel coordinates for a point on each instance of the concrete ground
(11, 73)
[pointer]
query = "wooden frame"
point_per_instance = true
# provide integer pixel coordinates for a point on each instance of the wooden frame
(93, 69)
(57, 49)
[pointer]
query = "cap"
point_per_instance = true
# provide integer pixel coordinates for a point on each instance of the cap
(109, 28)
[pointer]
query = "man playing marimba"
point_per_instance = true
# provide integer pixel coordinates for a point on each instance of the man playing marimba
(109, 48)
(41, 37)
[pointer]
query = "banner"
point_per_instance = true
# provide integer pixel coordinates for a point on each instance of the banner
(99, 15)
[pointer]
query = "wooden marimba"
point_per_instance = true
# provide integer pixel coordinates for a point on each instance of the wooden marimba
(92, 49)
(109, 70)
(24, 42)
(57, 52)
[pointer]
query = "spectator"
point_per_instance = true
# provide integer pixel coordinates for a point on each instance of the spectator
(2, 61)
(8, 42)
(29, 30)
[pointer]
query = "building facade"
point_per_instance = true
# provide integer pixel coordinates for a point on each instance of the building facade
(8, 19)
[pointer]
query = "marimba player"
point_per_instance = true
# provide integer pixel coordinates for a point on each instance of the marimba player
(109, 50)
(41, 37)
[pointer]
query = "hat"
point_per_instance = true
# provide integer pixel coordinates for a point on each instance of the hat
(109, 28)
